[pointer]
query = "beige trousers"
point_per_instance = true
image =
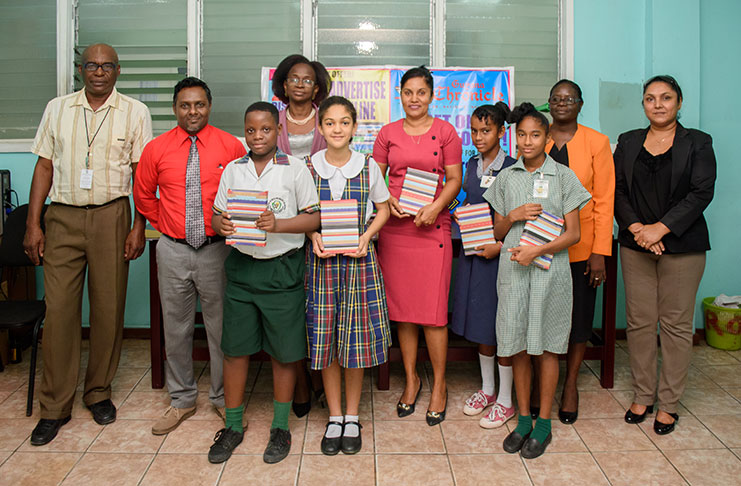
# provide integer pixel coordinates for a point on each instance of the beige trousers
(660, 289)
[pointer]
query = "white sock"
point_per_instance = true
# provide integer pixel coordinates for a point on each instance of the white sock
(351, 429)
(334, 430)
(487, 373)
(505, 386)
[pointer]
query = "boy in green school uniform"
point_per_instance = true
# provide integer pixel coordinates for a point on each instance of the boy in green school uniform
(264, 301)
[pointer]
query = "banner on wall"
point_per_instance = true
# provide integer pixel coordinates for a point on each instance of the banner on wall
(375, 92)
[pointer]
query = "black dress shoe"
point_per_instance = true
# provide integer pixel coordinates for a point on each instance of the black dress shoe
(532, 448)
(301, 408)
(569, 418)
(514, 441)
(46, 430)
(331, 445)
(104, 412)
(662, 429)
(406, 409)
(634, 418)
(352, 445)
(534, 412)
(434, 418)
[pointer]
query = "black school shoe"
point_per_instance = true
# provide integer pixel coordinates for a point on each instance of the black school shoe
(662, 429)
(514, 441)
(532, 448)
(352, 445)
(331, 445)
(104, 412)
(278, 447)
(225, 441)
(46, 430)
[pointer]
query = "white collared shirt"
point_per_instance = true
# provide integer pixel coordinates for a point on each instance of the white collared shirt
(338, 176)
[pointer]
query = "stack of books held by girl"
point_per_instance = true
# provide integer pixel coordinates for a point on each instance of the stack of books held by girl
(418, 190)
(540, 231)
(244, 207)
(340, 225)
(476, 227)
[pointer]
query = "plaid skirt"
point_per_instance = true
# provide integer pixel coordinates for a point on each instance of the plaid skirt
(346, 315)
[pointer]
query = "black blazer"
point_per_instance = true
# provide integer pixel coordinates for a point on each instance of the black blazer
(692, 185)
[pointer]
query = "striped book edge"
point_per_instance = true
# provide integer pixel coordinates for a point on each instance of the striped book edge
(339, 225)
(418, 190)
(244, 207)
(476, 227)
(546, 228)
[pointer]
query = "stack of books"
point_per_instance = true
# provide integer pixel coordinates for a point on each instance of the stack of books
(244, 207)
(340, 225)
(476, 227)
(418, 190)
(540, 231)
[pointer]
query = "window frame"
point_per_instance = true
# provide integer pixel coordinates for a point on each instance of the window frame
(67, 27)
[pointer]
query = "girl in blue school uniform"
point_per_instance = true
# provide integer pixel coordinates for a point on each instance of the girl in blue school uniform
(347, 319)
(475, 297)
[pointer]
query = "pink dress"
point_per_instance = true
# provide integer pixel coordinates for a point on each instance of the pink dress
(416, 262)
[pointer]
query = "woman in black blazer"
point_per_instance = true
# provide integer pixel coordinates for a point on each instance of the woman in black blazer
(664, 176)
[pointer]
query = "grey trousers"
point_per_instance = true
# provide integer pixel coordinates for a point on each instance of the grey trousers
(185, 276)
(660, 289)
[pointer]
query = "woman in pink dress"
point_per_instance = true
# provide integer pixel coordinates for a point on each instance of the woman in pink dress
(415, 251)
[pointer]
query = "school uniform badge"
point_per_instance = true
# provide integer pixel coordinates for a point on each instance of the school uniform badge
(277, 205)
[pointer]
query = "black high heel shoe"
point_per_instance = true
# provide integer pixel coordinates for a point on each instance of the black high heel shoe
(406, 409)
(434, 418)
(661, 428)
(569, 418)
(634, 418)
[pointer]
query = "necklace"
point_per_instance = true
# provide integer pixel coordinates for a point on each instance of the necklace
(300, 122)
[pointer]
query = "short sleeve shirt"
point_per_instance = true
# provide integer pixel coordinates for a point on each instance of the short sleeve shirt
(291, 191)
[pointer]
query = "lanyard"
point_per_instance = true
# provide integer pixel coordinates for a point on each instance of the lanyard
(87, 134)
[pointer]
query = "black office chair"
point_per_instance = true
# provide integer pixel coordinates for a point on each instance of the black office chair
(20, 316)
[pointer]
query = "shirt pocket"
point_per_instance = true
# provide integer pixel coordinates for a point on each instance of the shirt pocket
(282, 203)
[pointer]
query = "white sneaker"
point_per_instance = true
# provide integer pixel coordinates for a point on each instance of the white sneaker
(477, 402)
(497, 416)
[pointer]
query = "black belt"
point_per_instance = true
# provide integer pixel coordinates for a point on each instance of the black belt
(284, 255)
(209, 240)
(90, 206)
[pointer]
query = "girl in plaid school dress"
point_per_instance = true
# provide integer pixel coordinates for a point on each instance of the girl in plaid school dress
(346, 315)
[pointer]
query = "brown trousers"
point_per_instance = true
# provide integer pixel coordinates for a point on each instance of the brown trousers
(80, 240)
(660, 289)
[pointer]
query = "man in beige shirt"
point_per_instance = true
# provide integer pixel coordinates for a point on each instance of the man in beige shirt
(88, 145)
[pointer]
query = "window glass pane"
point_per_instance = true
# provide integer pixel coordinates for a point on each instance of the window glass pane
(28, 64)
(150, 38)
(352, 33)
(239, 38)
(519, 33)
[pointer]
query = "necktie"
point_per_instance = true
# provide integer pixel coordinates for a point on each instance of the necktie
(195, 231)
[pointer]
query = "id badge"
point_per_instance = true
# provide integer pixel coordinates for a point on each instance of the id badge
(487, 181)
(86, 179)
(540, 188)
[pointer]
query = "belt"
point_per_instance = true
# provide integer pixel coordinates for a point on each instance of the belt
(284, 255)
(209, 240)
(90, 206)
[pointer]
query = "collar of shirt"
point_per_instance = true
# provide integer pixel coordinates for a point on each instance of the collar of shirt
(326, 170)
(496, 164)
(111, 102)
(203, 136)
(279, 158)
(548, 167)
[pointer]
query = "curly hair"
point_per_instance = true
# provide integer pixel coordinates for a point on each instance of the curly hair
(323, 80)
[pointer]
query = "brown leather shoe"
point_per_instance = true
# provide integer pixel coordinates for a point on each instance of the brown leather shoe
(171, 419)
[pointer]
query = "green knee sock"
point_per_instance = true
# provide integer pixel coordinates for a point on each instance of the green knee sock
(234, 418)
(280, 415)
(524, 424)
(541, 430)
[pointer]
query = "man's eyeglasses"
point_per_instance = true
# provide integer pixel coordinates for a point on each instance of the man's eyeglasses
(91, 67)
(554, 100)
(298, 82)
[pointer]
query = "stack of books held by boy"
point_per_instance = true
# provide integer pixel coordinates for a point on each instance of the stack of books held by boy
(476, 227)
(244, 207)
(540, 231)
(340, 225)
(418, 190)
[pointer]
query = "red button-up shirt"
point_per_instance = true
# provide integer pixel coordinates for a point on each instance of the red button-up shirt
(163, 164)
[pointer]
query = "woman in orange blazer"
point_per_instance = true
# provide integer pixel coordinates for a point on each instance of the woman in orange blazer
(586, 152)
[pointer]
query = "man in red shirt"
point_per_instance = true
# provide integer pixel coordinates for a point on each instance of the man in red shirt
(186, 164)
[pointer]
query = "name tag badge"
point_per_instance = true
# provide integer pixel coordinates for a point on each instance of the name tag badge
(540, 188)
(86, 179)
(487, 181)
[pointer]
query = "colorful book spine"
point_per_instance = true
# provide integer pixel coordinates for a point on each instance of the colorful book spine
(340, 225)
(244, 207)
(540, 231)
(418, 190)
(476, 227)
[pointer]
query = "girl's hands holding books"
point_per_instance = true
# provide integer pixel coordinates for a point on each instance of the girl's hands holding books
(222, 224)
(317, 245)
(362, 250)
(526, 212)
(489, 251)
(523, 254)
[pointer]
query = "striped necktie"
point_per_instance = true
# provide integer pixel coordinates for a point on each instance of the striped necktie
(195, 230)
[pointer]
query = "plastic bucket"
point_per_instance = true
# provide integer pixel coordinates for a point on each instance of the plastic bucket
(722, 325)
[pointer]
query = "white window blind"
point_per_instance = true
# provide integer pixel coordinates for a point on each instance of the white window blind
(28, 69)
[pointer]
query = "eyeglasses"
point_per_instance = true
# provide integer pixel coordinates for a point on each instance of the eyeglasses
(298, 82)
(554, 100)
(91, 67)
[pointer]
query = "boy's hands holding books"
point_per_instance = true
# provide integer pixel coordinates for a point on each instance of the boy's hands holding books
(524, 254)
(526, 212)
(363, 242)
(317, 245)
(267, 222)
(222, 224)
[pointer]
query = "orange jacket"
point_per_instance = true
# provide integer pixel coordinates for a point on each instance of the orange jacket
(590, 158)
